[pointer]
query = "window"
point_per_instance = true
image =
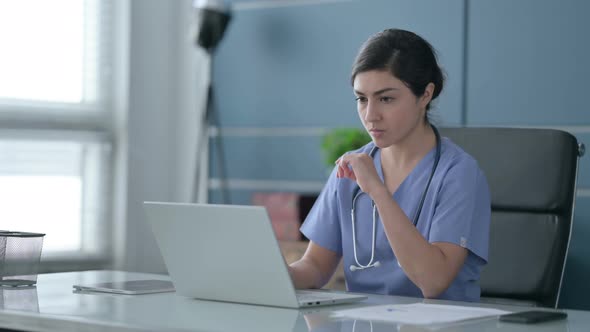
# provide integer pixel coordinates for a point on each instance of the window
(56, 133)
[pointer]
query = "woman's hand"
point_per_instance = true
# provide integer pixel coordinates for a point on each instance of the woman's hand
(360, 168)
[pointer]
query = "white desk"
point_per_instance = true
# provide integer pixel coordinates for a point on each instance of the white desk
(53, 306)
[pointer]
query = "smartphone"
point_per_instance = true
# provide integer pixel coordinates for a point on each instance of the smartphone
(532, 316)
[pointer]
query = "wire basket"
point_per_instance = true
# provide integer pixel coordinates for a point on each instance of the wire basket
(20, 254)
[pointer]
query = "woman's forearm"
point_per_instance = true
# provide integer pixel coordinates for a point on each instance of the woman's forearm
(425, 264)
(315, 268)
(305, 274)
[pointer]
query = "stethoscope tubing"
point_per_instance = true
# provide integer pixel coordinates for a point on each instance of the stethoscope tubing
(357, 192)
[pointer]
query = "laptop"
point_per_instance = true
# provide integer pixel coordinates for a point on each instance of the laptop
(229, 253)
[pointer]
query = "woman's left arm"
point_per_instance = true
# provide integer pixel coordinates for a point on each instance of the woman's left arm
(431, 266)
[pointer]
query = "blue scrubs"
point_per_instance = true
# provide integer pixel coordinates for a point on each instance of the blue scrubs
(456, 209)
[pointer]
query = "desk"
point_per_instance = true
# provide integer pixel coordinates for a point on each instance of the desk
(53, 306)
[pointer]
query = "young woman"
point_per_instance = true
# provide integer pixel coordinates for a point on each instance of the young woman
(409, 212)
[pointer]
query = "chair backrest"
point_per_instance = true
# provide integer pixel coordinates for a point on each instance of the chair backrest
(532, 177)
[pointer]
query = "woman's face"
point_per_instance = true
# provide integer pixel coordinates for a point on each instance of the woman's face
(387, 107)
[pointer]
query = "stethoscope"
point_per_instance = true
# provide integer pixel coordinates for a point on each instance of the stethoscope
(357, 192)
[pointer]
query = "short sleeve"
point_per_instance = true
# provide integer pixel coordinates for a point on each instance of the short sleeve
(322, 225)
(463, 209)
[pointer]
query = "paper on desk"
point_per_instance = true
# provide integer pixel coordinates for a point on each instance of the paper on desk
(418, 313)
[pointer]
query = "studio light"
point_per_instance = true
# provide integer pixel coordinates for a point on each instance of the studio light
(212, 18)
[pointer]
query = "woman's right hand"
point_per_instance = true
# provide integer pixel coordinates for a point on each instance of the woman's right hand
(360, 168)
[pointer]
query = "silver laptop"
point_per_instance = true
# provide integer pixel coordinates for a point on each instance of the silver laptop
(228, 253)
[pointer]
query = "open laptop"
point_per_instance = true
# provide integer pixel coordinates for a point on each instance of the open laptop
(228, 253)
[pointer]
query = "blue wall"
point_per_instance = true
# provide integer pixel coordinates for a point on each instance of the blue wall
(282, 79)
(527, 65)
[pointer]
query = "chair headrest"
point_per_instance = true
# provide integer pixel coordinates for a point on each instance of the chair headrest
(527, 169)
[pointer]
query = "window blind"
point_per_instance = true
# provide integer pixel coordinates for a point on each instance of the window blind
(55, 123)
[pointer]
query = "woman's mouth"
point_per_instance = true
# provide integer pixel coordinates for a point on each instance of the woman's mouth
(376, 132)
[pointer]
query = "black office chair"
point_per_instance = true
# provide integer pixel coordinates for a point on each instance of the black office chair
(532, 176)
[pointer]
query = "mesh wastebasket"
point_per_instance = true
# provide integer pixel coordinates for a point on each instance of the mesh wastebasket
(20, 253)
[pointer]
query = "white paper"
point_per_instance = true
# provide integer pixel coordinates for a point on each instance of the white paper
(418, 313)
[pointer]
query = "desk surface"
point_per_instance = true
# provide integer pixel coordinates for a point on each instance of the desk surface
(53, 306)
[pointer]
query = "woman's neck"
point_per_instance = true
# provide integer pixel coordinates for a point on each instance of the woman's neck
(405, 154)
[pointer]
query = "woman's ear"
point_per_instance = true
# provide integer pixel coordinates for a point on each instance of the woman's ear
(427, 95)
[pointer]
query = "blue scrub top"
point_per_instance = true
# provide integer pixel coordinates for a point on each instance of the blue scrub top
(456, 209)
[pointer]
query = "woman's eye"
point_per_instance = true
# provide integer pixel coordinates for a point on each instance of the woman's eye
(387, 99)
(361, 99)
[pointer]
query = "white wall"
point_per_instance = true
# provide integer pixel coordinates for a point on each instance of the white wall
(166, 76)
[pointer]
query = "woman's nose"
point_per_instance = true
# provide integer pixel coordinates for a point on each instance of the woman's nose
(371, 112)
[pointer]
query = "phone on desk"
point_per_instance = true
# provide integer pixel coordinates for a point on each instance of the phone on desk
(532, 316)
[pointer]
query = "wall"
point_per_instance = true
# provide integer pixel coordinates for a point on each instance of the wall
(281, 77)
(530, 70)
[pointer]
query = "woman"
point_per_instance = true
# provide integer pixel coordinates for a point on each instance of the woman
(420, 224)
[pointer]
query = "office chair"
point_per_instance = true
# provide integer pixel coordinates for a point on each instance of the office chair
(532, 174)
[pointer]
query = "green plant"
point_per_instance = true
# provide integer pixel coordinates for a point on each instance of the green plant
(341, 140)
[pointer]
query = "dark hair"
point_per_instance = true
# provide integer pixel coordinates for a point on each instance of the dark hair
(406, 55)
